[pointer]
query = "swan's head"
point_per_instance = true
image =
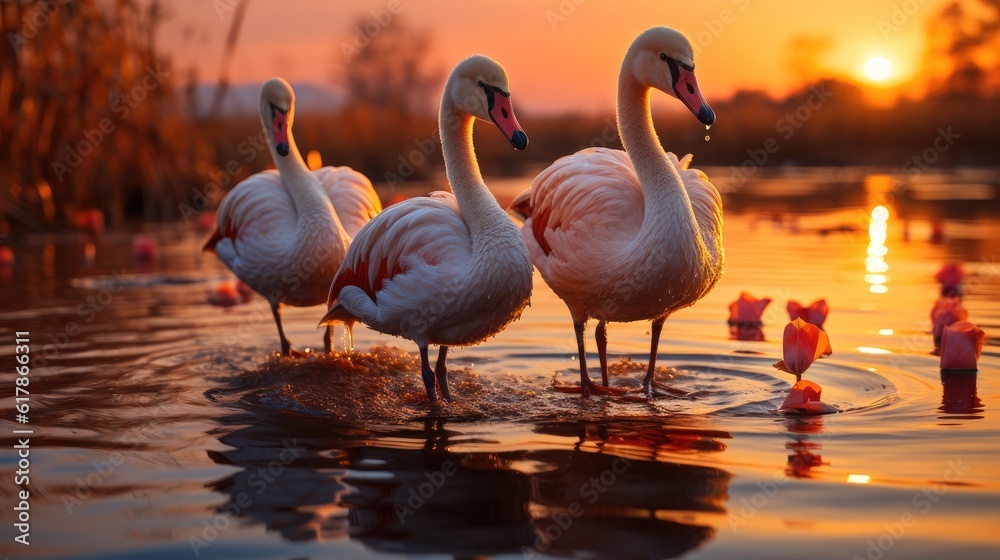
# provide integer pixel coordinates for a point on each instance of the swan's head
(277, 109)
(478, 86)
(663, 59)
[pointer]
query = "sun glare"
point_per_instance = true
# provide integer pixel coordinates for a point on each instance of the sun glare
(878, 68)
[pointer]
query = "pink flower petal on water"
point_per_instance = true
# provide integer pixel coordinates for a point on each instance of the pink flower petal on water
(745, 317)
(946, 310)
(805, 396)
(802, 344)
(950, 275)
(814, 313)
(961, 346)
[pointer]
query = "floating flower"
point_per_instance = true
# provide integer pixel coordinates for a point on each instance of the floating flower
(90, 220)
(144, 248)
(961, 346)
(951, 276)
(744, 317)
(814, 313)
(6, 256)
(804, 397)
(803, 343)
(946, 311)
(225, 294)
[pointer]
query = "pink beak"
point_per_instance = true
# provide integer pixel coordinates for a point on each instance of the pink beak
(279, 128)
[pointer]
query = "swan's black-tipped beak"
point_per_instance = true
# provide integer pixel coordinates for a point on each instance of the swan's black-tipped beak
(519, 140)
(502, 115)
(279, 130)
(706, 115)
(686, 89)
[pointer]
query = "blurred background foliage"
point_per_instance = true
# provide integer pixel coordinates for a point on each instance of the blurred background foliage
(95, 116)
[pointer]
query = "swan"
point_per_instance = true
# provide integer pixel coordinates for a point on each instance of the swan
(285, 232)
(634, 235)
(447, 269)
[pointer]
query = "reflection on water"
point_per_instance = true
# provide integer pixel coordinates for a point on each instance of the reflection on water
(406, 491)
(959, 399)
(164, 432)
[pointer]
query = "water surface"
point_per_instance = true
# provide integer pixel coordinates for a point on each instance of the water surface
(164, 430)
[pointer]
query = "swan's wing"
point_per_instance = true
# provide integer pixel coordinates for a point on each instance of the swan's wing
(415, 233)
(352, 196)
(705, 199)
(254, 212)
(581, 203)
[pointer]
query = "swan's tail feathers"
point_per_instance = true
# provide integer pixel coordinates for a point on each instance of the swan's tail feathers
(211, 242)
(520, 207)
(337, 314)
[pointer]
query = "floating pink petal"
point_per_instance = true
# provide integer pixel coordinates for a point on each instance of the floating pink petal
(803, 343)
(745, 317)
(814, 313)
(950, 275)
(961, 346)
(804, 397)
(946, 311)
(144, 248)
(6, 256)
(225, 294)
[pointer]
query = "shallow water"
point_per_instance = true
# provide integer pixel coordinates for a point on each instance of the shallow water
(162, 429)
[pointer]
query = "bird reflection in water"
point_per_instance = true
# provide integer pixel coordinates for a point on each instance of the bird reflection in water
(613, 494)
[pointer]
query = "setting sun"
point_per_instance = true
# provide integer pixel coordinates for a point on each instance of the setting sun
(878, 68)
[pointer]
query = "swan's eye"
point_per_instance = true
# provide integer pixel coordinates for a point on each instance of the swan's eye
(663, 56)
(481, 84)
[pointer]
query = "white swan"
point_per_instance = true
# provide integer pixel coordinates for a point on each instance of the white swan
(285, 232)
(445, 269)
(634, 235)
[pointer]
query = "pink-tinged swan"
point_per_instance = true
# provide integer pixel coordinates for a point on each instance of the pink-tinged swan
(286, 232)
(633, 235)
(448, 269)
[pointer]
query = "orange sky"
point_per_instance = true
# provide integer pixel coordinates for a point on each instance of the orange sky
(565, 54)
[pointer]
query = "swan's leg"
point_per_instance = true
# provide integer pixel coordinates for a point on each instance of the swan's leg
(426, 372)
(441, 371)
(581, 347)
(601, 335)
(649, 382)
(586, 385)
(286, 347)
(328, 339)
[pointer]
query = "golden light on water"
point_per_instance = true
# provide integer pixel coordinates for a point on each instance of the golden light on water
(858, 478)
(875, 263)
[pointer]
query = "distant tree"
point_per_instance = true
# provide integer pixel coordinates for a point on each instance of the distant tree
(964, 40)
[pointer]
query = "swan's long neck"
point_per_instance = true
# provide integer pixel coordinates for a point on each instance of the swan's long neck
(668, 215)
(318, 228)
(480, 210)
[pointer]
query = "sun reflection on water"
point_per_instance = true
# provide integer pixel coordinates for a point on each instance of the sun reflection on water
(875, 263)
